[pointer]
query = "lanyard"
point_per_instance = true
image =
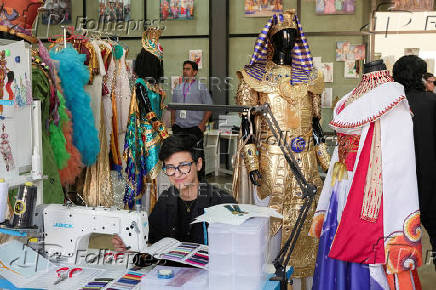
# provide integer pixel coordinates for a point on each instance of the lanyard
(185, 92)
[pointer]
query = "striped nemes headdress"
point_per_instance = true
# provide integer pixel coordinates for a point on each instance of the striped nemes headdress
(302, 61)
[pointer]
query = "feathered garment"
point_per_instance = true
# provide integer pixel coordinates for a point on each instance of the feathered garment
(74, 76)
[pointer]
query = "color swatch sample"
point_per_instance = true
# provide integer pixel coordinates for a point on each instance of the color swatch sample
(128, 281)
(98, 283)
(189, 253)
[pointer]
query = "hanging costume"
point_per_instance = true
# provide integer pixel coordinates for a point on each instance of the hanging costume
(145, 131)
(43, 89)
(97, 189)
(74, 75)
(368, 216)
(293, 93)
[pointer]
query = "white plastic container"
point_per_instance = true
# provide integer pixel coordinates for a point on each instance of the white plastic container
(251, 237)
(249, 264)
(220, 281)
(221, 263)
(237, 255)
(220, 238)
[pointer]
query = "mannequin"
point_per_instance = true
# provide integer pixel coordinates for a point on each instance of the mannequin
(281, 74)
(366, 212)
(145, 131)
(283, 42)
(375, 65)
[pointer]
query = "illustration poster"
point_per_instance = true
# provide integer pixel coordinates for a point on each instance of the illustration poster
(351, 69)
(327, 71)
(175, 81)
(56, 12)
(114, 10)
(325, 7)
(15, 108)
(327, 98)
(411, 51)
(197, 56)
(176, 9)
(409, 5)
(264, 8)
(347, 51)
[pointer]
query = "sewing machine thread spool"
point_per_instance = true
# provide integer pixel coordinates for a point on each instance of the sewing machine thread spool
(3, 199)
(24, 205)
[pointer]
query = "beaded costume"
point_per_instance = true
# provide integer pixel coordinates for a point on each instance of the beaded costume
(145, 132)
(293, 92)
(368, 216)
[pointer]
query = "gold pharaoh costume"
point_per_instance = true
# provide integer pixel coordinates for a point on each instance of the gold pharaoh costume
(294, 93)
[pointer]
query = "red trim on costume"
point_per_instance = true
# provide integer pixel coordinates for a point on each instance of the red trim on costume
(372, 80)
(357, 240)
(373, 118)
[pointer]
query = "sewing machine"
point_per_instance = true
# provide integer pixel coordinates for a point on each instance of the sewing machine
(66, 229)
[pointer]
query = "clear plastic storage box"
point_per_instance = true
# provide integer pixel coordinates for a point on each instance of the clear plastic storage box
(237, 255)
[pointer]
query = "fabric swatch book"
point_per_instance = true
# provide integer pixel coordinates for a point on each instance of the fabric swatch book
(193, 254)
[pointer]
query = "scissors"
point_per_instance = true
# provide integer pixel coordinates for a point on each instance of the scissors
(64, 273)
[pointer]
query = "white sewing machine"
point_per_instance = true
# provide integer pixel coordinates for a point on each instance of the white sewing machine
(67, 229)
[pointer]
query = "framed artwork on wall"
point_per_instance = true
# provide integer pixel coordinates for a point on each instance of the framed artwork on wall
(325, 7)
(327, 71)
(347, 51)
(197, 56)
(110, 10)
(56, 12)
(410, 5)
(351, 69)
(176, 9)
(411, 51)
(262, 8)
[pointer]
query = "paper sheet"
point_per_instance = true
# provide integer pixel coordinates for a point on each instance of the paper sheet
(229, 214)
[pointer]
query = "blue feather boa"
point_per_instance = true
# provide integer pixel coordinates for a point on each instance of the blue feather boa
(74, 76)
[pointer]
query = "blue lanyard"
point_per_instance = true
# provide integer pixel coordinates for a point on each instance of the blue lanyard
(185, 92)
(205, 233)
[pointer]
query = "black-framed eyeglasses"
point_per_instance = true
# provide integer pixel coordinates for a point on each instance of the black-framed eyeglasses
(183, 168)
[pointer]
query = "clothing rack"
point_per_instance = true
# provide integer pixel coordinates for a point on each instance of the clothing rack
(98, 33)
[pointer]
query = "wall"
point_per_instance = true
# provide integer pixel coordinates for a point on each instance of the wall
(323, 31)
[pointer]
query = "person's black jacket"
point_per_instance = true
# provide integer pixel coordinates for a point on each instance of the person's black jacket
(163, 218)
(423, 106)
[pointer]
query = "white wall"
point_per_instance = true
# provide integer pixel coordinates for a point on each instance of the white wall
(391, 46)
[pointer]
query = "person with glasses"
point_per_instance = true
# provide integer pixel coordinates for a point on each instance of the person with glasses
(185, 199)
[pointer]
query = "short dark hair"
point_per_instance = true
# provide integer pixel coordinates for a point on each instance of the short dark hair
(409, 71)
(192, 63)
(180, 143)
(427, 75)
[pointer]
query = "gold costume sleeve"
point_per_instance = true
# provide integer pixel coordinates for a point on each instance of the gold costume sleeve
(316, 101)
(316, 87)
(323, 156)
(245, 96)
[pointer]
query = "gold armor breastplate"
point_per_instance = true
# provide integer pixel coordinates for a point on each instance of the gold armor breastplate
(291, 105)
